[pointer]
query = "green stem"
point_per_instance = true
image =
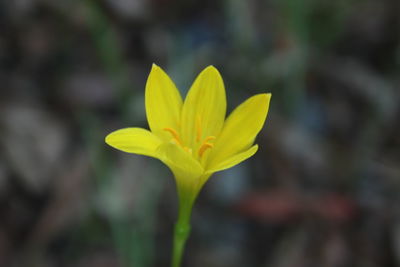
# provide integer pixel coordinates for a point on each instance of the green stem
(181, 234)
(181, 231)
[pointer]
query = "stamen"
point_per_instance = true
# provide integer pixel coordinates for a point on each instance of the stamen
(204, 147)
(198, 129)
(174, 134)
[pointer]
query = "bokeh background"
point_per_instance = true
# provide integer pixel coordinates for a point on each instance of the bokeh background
(323, 190)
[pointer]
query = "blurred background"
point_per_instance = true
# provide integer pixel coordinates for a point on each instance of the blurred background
(323, 190)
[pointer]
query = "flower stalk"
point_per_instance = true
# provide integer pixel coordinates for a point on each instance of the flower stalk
(181, 234)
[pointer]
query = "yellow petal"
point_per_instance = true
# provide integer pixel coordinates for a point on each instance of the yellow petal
(134, 140)
(163, 102)
(204, 109)
(179, 161)
(240, 128)
(234, 160)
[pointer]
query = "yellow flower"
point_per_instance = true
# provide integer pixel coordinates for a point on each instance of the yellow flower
(192, 137)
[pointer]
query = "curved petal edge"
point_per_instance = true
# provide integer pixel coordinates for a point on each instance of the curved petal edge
(134, 140)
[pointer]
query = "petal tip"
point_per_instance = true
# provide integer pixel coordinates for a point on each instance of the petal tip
(107, 139)
(155, 67)
(212, 70)
(265, 96)
(110, 138)
(261, 98)
(255, 148)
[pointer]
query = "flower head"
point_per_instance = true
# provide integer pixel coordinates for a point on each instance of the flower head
(192, 137)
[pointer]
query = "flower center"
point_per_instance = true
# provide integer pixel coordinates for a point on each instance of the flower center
(202, 146)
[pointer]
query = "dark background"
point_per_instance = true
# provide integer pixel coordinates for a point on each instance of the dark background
(323, 190)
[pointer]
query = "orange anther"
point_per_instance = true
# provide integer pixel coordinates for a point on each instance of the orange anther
(174, 134)
(204, 147)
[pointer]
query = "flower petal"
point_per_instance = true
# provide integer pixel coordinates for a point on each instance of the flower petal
(234, 160)
(240, 129)
(179, 161)
(204, 109)
(134, 140)
(163, 102)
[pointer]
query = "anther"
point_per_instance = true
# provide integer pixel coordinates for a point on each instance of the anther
(174, 134)
(204, 147)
